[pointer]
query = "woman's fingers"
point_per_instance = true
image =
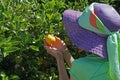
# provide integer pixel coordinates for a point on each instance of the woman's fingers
(55, 49)
(60, 46)
(50, 49)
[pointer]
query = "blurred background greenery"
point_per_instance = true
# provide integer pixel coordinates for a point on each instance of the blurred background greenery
(23, 25)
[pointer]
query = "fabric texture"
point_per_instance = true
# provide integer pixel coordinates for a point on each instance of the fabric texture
(108, 44)
(91, 67)
(90, 21)
(82, 38)
(112, 41)
(113, 47)
(85, 39)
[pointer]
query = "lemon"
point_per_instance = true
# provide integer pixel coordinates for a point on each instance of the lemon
(50, 39)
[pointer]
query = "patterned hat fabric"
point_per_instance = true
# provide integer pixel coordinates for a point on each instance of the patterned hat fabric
(96, 30)
(93, 39)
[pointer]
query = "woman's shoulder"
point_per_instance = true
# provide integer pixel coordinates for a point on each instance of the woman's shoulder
(91, 57)
(88, 66)
(90, 60)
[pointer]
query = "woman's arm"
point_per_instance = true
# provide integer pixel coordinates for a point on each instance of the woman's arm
(66, 54)
(58, 55)
(68, 57)
(61, 68)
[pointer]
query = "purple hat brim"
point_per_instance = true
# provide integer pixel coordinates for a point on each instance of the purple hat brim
(87, 40)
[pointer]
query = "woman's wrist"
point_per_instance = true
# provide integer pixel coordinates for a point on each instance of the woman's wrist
(68, 57)
(59, 56)
(65, 51)
(61, 68)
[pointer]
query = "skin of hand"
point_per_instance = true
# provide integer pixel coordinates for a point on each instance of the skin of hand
(55, 50)
(60, 52)
(61, 49)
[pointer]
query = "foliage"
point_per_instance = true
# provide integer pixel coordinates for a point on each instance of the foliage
(23, 25)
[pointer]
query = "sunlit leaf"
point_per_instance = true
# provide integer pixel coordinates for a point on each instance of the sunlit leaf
(8, 50)
(3, 4)
(34, 48)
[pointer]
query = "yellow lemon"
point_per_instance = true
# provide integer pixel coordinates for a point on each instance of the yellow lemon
(50, 39)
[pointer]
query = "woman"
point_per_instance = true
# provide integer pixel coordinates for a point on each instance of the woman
(95, 30)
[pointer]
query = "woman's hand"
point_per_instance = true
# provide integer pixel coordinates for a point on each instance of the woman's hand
(59, 51)
(60, 45)
(55, 49)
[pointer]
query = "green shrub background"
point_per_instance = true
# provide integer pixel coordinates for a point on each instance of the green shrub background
(23, 25)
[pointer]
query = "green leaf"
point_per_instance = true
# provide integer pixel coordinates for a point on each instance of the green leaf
(4, 76)
(8, 50)
(14, 77)
(51, 30)
(52, 3)
(49, 16)
(34, 48)
(3, 4)
(4, 41)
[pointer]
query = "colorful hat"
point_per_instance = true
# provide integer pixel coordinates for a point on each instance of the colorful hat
(87, 29)
(96, 30)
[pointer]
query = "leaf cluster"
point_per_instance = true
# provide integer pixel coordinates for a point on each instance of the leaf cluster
(23, 25)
